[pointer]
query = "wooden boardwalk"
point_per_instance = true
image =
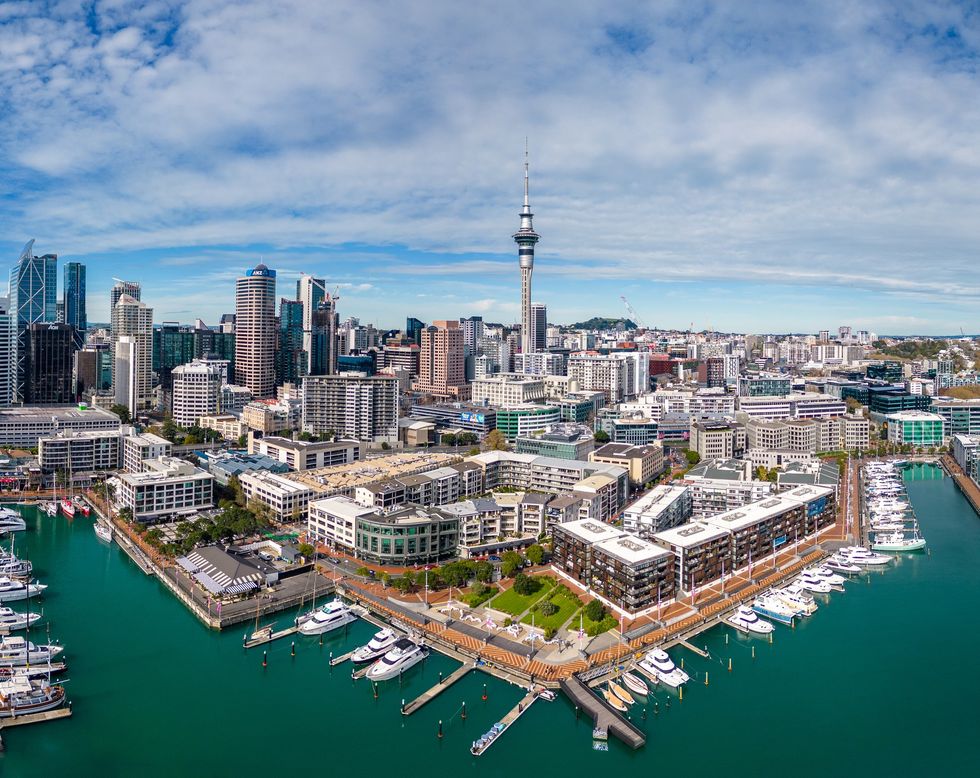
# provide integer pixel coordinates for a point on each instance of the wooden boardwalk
(36, 718)
(436, 690)
(252, 643)
(691, 647)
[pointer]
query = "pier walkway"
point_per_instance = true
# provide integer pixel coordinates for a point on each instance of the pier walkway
(434, 692)
(35, 718)
(253, 642)
(963, 482)
(512, 715)
(604, 715)
(692, 647)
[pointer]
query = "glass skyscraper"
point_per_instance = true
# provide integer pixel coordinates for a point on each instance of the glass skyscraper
(290, 356)
(74, 290)
(33, 299)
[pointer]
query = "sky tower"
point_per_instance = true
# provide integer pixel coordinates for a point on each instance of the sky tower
(525, 238)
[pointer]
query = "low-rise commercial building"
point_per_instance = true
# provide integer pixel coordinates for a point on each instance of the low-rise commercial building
(138, 449)
(167, 488)
(229, 426)
(562, 441)
(22, 427)
(506, 389)
(304, 454)
(225, 465)
(916, 428)
(80, 452)
(643, 463)
(287, 500)
(717, 439)
(525, 420)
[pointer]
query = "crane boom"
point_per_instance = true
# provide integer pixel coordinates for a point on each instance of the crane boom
(632, 312)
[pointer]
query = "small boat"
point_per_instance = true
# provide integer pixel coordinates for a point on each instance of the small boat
(746, 620)
(11, 521)
(261, 633)
(18, 590)
(50, 508)
(659, 664)
(11, 620)
(103, 531)
(405, 654)
(547, 694)
(772, 607)
(620, 692)
(67, 508)
(374, 649)
(34, 671)
(635, 684)
(897, 542)
(83, 507)
(20, 695)
(614, 701)
(331, 616)
(16, 651)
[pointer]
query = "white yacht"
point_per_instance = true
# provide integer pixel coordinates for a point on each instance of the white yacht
(20, 695)
(15, 651)
(829, 576)
(331, 616)
(862, 557)
(403, 655)
(11, 521)
(896, 541)
(813, 583)
(772, 607)
(374, 649)
(17, 590)
(746, 620)
(659, 664)
(12, 567)
(103, 531)
(797, 598)
(841, 565)
(11, 620)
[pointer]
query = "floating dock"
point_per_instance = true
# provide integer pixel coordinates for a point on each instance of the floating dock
(35, 718)
(434, 692)
(604, 715)
(692, 647)
(512, 715)
(252, 643)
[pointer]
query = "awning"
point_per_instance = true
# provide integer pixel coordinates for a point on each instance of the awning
(242, 588)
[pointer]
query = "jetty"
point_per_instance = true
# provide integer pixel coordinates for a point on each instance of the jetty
(35, 718)
(269, 637)
(691, 647)
(511, 716)
(606, 717)
(435, 691)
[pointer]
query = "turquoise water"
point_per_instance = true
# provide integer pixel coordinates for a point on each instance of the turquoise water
(879, 682)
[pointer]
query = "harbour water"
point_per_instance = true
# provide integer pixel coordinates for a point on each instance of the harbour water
(881, 681)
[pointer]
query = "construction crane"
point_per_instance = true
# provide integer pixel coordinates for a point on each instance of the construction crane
(633, 314)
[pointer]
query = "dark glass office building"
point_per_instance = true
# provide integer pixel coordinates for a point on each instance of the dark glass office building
(50, 364)
(290, 357)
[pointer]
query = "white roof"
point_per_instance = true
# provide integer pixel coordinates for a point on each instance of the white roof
(657, 500)
(913, 416)
(631, 549)
(590, 530)
(341, 507)
(693, 533)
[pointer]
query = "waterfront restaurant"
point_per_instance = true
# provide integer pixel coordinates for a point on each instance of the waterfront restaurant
(702, 553)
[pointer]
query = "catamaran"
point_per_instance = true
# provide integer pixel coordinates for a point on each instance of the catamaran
(746, 620)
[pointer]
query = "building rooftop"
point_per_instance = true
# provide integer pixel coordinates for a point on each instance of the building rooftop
(275, 481)
(45, 414)
(622, 451)
(691, 534)
(340, 478)
(656, 500)
(590, 530)
(631, 549)
(914, 416)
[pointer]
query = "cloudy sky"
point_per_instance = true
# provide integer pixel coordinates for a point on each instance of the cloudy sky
(745, 166)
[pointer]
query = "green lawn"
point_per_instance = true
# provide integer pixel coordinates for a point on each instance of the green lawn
(515, 604)
(593, 628)
(475, 598)
(568, 606)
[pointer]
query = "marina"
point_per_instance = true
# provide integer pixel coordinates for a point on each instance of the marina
(202, 655)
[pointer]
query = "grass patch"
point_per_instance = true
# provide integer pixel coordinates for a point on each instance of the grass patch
(480, 594)
(593, 628)
(515, 604)
(567, 603)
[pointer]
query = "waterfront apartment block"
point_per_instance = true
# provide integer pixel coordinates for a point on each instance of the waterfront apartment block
(24, 426)
(643, 463)
(80, 452)
(167, 488)
(665, 506)
(702, 553)
(403, 536)
(306, 455)
(138, 449)
(632, 574)
(287, 500)
(916, 428)
(572, 544)
(966, 452)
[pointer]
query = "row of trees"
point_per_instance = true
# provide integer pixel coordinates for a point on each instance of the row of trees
(232, 522)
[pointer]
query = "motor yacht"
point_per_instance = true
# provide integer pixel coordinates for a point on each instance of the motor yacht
(772, 607)
(828, 575)
(11, 620)
(12, 567)
(377, 647)
(797, 598)
(11, 521)
(746, 620)
(18, 590)
(659, 664)
(635, 684)
(403, 655)
(862, 557)
(15, 651)
(896, 541)
(841, 565)
(331, 616)
(813, 583)
(20, 695)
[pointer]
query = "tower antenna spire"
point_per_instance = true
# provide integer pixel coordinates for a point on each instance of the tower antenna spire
(527, 201)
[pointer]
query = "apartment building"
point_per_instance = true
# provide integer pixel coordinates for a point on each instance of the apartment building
(287, 500)
(306, 455)
(167, 488)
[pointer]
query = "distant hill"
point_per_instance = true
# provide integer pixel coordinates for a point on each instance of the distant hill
(604, 323)
(962, 392)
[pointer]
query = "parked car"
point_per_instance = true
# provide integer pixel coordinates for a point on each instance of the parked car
(493, 558)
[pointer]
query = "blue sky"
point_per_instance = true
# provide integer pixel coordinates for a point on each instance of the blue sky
(745, 166)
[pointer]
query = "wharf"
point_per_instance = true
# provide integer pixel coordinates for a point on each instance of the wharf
(432, 693)
(512, 715)
(963, 482)
(252, 643)
(36, 718)
(604, 715)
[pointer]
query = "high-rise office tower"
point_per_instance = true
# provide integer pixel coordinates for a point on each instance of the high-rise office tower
(526, 238)
(310, 292)
(291, 359)
(33, 298)
(472, 333)
(323, 340)
(255, 331)
(441, 362)
(197, 390)
(132, 288)
(124, 371)
(50, 364)
(74, 291)
(539, 327)
(8, 354)
(413, 330)
(133, 320)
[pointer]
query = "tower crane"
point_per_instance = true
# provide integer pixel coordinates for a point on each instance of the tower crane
(633, 313)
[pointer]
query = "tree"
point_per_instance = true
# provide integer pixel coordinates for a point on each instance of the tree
(510, 563)
(242, 441)
(535, 554)
(525, 584)
(456, 573)
(474, 451)
(483, 572)
(306, 550)
(601, 436)
(169, 430)
(236, 489)
(595, 611)
(547, 608)
(449, 439)
(385, 445)
(693, 457)
(495, 441)
(122, 412)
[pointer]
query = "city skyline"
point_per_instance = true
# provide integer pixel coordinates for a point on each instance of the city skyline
(695, 159)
